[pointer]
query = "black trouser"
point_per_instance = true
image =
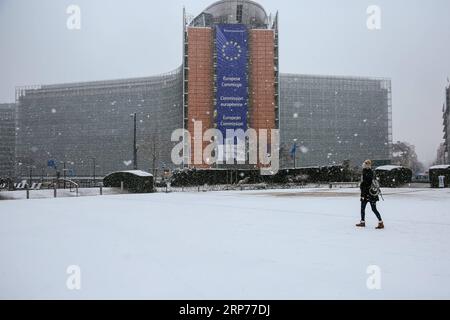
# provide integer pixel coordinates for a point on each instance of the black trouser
(374, 209)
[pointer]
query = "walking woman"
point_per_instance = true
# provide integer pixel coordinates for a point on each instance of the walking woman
(367, 197)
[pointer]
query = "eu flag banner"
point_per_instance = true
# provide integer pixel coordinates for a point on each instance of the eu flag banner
(232, 77)
(51, 164)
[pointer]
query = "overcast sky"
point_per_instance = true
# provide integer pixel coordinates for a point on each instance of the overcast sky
(137, 38)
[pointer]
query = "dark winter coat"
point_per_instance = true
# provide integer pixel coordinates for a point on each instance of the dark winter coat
(366, 183)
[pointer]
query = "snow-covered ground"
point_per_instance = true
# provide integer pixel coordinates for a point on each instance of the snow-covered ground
(285, 244)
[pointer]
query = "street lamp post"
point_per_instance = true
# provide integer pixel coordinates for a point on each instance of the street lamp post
(294, 153)
(18, 172)
(93, 170)
(135, 165)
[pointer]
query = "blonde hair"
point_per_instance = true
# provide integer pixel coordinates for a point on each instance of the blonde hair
(368, 163)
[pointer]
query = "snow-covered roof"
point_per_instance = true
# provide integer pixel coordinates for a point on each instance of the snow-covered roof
(138, 173)
(388, 168)
(441, 166)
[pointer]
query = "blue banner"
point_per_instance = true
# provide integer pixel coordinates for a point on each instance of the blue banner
(232, 77)
(51, 164)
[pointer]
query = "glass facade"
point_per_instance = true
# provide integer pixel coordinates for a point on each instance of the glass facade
(446, 117)
(332, 119)
(78, 123)
(7, 139)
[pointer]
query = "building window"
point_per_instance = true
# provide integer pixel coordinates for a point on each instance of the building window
(239, 13)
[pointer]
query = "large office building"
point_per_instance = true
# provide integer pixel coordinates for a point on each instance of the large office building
(231, 68)
(229, 79)
(333, 119)
(90, 126)
(7, 139)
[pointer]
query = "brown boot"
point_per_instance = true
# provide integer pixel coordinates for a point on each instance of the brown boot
(361, 225)
(380, 226)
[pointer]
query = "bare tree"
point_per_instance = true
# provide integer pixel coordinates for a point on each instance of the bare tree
(404, 154)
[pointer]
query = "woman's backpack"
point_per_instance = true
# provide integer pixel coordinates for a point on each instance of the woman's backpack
(375, 188)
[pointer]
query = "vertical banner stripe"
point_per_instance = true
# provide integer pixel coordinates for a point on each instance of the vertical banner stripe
(232, 77)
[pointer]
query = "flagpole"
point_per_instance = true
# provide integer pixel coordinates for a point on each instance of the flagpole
(294, 153)
(295, 156)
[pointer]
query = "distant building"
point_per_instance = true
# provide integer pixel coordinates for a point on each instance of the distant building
(404, 154)
(229, 79)
(441, 154)
(7, 139)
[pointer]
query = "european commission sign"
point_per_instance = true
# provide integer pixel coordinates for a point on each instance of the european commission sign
(231, 142)
(232, 77)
